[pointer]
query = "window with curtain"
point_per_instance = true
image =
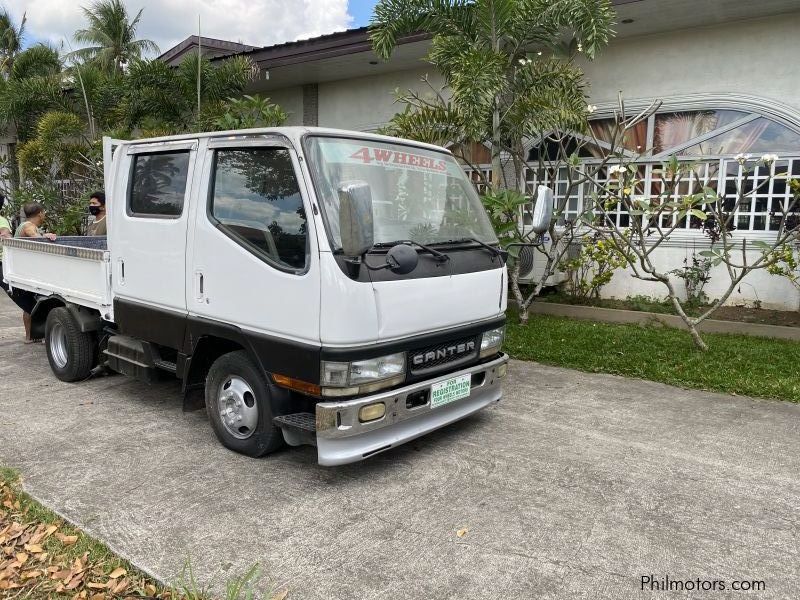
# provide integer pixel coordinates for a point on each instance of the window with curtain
(710, 139)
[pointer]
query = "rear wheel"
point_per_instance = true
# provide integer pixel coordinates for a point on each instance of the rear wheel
(239, 406)
(69, 350)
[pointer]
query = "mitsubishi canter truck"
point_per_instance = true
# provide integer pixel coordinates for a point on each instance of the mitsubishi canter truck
(322, 287)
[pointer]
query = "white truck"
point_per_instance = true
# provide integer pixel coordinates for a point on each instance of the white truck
(322, 287)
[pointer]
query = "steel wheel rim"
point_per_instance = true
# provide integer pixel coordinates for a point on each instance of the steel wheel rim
(238, 409)
(58, 345)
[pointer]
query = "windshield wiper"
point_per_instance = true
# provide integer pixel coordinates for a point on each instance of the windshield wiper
(440, 256)
(492, 249)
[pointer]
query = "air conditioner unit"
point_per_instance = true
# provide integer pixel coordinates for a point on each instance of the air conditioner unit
(532, 264)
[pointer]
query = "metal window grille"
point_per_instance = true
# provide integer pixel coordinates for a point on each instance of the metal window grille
(760, 212)
(481, 177)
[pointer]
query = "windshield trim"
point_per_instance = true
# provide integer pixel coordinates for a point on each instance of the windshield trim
(304, 139)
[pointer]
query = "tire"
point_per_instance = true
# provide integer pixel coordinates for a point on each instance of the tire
(70, 352)
(238, 403)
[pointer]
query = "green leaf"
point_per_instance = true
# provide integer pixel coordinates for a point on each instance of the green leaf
(696, 212)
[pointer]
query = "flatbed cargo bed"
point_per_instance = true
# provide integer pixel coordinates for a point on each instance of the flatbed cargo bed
(76, 268)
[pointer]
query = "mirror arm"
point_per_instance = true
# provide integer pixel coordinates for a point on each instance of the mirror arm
(353, 266)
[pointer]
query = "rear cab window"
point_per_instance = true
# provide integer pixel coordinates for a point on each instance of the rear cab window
(158, 184)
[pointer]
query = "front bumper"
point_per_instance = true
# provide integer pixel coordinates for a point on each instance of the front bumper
(342, 439)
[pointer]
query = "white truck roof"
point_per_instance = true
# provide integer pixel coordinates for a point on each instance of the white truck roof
(294, 133)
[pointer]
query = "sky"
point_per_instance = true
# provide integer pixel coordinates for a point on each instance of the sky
(167, 22)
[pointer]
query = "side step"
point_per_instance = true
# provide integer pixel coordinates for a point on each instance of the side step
(304, 421)
(298, 428)
(166, 365)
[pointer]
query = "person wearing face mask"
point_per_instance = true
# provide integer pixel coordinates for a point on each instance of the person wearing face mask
(97, 207)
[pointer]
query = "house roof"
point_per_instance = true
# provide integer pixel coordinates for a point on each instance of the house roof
(216, 47)
(349, 54)
(331, 45)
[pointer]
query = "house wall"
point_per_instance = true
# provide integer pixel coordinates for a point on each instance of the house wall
(759, 288)
(753, 57)
(366, 103)
(289, 99)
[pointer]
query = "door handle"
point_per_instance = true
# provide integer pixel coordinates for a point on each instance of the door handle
(199, 286)
(121, 271)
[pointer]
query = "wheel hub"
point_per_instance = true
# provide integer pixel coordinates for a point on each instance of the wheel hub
(237, 407)
(58, 345)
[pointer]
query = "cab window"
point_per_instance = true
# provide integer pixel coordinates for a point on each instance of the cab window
(256, 201)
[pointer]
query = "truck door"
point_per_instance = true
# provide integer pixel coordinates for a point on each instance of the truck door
(148, 239)
(254, 251)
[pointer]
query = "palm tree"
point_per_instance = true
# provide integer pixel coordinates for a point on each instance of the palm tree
(111, 36)
(502, 64)
(31, 87)
(160, 99)
(11, 36)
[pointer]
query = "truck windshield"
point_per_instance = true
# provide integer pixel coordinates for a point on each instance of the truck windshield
(417, 194)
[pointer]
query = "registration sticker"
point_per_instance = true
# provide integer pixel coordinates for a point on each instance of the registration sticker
(450, 390)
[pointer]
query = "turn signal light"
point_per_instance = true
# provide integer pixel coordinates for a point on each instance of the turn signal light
(296, 385)
(371, 412)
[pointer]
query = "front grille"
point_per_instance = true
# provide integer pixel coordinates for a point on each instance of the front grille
(434, 358)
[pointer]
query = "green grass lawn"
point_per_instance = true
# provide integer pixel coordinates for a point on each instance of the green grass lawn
(742, 365)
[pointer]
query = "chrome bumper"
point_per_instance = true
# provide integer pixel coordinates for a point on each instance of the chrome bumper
(342, 439)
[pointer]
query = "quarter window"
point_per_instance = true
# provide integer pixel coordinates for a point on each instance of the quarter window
(256, 201)
(158, 185)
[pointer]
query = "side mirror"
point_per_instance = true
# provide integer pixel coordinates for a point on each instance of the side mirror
(355, 218)
(543, 210)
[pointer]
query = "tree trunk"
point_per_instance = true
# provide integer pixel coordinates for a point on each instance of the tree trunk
(690, 323)
(497, 167)
(513, 276)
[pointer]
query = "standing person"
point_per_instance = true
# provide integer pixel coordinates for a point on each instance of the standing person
(97, 207)
(34, 215)
(5, 232)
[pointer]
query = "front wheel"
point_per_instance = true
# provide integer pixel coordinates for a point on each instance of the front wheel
(70, 351)
(238, 405)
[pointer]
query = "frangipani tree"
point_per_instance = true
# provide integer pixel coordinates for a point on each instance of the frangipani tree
(652, 218)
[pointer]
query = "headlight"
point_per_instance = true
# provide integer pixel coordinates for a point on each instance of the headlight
(491, 341)
(375, 369)
(361, 376)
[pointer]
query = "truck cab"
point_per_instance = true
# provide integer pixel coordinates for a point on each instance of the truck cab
(320, 287)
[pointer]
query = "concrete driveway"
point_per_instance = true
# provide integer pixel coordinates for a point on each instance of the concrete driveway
(574, 486)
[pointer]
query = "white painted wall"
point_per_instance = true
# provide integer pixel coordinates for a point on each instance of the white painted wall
(366, 103)
(770, 291)
(756, 57)
(291, 100)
